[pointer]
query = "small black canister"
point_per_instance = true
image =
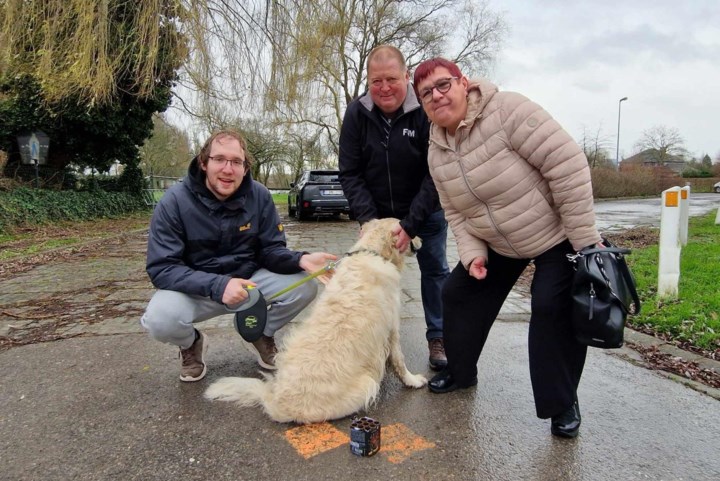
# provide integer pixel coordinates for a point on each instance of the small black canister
(364, 436)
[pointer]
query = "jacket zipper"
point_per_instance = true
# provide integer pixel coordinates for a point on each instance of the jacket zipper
(386, 144)
(387, 165)
(489, 211)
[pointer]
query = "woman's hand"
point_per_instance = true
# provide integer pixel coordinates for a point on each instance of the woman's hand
(477, 268)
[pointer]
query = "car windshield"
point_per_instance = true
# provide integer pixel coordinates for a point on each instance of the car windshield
(323, 178)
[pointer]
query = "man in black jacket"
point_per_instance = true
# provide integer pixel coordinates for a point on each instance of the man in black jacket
(211, 236)
(384, 173)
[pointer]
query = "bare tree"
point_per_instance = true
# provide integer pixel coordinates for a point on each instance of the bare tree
(288, 63)
(167, 151)
(662, 144)
(320, 56)
(299, 62)
(268, 150)
(595, 145)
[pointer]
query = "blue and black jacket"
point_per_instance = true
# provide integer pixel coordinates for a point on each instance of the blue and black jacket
(387, 176)
(197, 243)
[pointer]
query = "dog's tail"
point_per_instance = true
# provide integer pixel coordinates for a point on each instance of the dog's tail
(245, 391)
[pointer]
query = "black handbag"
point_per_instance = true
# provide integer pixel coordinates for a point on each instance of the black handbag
(603, 293)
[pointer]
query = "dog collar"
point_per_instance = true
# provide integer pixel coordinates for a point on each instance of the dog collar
(363, 251)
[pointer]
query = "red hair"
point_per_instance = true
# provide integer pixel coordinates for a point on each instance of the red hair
(426, 68)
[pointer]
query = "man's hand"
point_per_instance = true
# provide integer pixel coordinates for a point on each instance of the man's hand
(312, 263)
(403, 240)
(235, 292)
(477, 268)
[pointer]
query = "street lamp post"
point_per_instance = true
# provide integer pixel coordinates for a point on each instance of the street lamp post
(617, 150)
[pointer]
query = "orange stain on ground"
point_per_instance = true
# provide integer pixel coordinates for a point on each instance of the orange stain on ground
(313, 439)
(397, 441)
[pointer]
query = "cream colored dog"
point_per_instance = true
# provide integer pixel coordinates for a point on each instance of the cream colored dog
(331, 364)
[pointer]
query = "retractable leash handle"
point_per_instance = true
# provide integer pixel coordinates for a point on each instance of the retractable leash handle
(251, 316)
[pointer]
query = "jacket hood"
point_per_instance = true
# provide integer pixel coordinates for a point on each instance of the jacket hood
(410, 103)
(480, 91)
(196, 183)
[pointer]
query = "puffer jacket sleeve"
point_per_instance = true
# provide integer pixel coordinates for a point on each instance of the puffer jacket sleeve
(469, 247)
(165, 264)
(540, 139)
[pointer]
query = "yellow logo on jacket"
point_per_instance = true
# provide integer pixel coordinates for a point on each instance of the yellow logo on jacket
(280, 227)
(245, 227)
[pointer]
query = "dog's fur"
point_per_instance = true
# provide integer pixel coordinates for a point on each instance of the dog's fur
(331, 364)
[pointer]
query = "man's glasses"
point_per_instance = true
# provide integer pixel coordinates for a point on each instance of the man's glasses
(222, 162)
(443, 86)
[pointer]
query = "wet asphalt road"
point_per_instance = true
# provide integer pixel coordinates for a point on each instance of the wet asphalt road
(107, 405)
(613, 215)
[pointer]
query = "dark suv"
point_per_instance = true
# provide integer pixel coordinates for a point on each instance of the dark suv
(317, 192)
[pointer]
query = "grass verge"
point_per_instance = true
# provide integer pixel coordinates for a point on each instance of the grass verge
(694, 317)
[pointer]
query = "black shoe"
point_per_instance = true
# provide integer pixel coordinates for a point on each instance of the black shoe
(567, 424)
(444, 382)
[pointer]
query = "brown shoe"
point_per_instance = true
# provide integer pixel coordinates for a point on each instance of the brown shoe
(193, 365)
(265, 351)
(438, 361)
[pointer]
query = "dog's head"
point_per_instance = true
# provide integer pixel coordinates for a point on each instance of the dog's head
(377, 236)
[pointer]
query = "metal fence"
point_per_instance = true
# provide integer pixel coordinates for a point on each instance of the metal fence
(158, 185)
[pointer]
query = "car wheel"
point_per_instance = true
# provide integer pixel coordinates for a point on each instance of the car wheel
(717, 190)
(301, 214)
(291, 210)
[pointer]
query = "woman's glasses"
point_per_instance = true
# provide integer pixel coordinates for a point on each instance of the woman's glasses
(443, 86)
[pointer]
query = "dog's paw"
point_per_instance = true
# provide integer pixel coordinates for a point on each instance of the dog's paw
(415, 380)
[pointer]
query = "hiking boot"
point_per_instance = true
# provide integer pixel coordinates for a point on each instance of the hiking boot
(193, 365)
(265, 351)
(438, 361)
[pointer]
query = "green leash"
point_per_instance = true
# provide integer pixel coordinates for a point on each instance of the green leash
(251, 316)
(318, 273)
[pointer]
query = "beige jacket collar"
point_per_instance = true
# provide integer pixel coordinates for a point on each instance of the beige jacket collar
(480, 91)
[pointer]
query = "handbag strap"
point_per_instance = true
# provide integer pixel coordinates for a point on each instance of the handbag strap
(621, 265)
(630, 282)
(596, 250)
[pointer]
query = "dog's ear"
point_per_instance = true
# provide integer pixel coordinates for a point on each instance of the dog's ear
(389, 251)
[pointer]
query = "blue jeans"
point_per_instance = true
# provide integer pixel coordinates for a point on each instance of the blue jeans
(434, 270)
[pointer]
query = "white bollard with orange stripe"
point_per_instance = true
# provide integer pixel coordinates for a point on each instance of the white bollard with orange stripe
(684, 214)
(669, 266)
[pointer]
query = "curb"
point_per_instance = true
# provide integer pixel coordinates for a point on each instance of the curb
(646, 340)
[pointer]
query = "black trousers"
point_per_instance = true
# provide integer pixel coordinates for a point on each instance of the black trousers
(470, 307)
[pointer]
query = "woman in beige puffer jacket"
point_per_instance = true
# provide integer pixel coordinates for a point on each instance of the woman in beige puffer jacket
(515, 188)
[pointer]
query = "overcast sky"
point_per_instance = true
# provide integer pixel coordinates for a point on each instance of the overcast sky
(577, 58)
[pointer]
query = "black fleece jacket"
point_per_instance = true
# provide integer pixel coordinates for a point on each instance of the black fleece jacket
(387, 176)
